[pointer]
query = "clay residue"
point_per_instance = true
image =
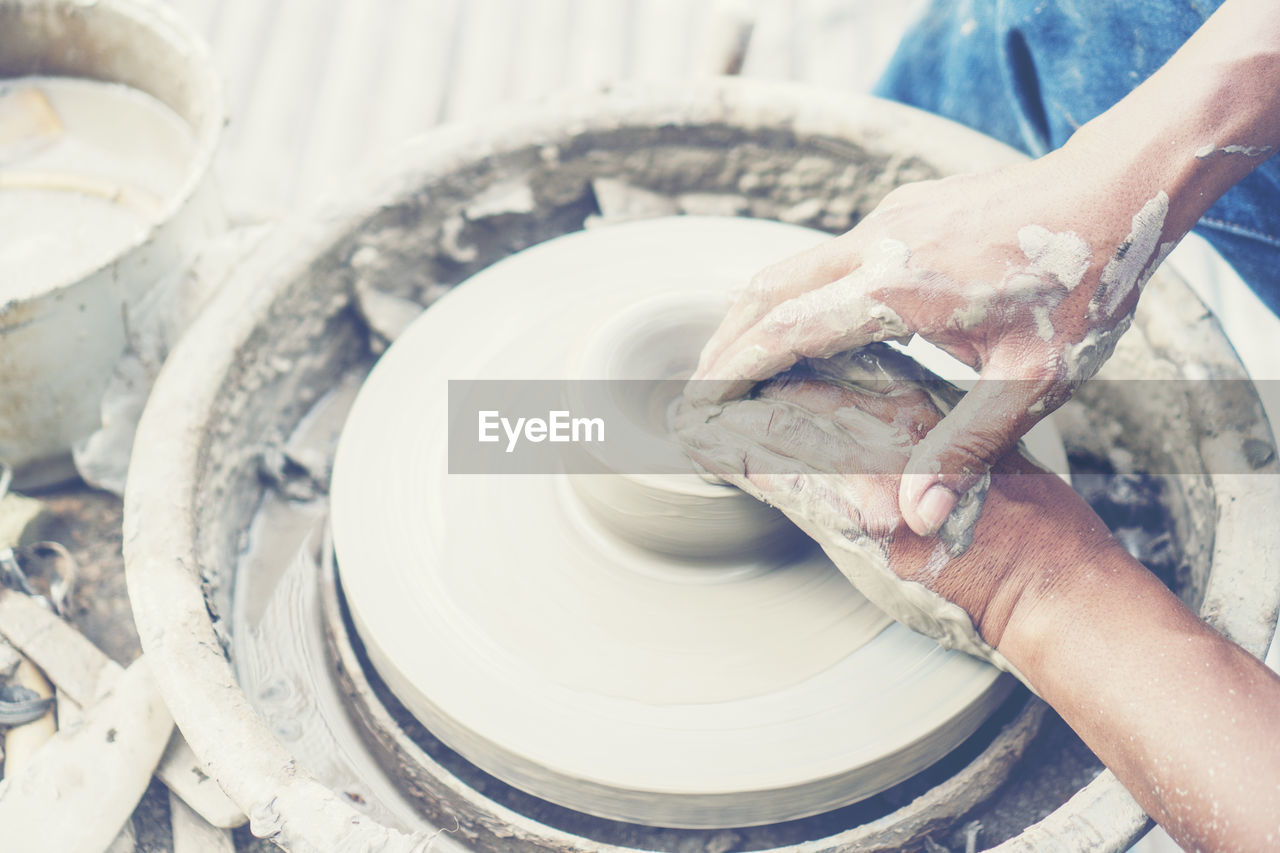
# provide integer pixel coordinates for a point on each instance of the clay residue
(1133, 262)
(1210, 152)
(1064, 256)
(826, 501)
(1128, 268)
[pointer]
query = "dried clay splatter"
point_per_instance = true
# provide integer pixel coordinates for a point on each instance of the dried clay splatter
(1126, 272)
(1209, 152)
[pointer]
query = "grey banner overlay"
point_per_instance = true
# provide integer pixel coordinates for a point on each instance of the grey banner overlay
(539, 427)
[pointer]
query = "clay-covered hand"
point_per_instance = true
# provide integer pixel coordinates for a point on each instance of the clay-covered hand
(996, 269)
(826, 444)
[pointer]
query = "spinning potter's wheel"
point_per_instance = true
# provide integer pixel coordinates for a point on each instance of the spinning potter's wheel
(545, 628)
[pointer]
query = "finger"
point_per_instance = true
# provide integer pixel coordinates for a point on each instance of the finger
(797, 441)
(816, 435)
(811, 499)
(874, 381)
(874, 433)
(775, 284)
(957, 453)
(817, 324)
(809, 393)
(739, 460)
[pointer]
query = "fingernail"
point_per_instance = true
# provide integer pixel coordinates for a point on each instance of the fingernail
(936, 506)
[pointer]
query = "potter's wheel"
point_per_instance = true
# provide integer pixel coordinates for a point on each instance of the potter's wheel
(531, 634)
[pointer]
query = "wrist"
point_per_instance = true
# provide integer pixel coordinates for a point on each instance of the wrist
(1037, 545)
(1016, 546)
(1057, 600)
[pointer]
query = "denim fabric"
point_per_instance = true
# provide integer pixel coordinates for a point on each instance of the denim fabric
(1029, 73)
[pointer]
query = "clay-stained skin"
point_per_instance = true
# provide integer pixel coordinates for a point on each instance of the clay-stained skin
(1123, 276)
(830, 466)
(1015, 326)
(1125, 271)
(840, 308)
(1056, 263)
(1063, 256)
(1210, 152)
(1037, 311)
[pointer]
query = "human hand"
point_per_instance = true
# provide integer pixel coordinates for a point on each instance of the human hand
(826, 444)
(1031, 291)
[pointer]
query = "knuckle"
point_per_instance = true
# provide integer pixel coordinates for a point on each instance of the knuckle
(973, 452)
(905, 194)
(767, 280)
(895, 198)
(782, 318)
(1037, 374)
(1047, 387)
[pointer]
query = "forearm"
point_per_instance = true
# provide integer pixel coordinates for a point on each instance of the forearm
(1184, 718)
(1200, 123)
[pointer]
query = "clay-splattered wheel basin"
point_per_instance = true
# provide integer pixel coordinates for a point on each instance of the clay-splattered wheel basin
(286, 328)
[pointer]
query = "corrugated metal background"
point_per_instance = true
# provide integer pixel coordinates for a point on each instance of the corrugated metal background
(316, 87)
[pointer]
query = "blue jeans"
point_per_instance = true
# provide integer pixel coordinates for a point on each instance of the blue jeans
(1029, 72)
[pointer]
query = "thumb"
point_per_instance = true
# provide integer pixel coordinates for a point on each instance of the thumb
(958, 452)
